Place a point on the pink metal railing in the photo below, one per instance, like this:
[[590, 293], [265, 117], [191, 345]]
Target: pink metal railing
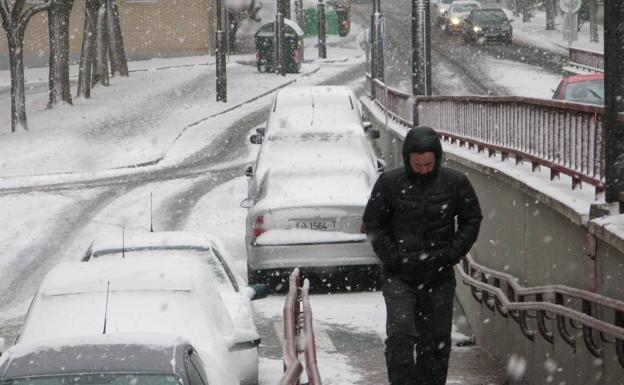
[[590, 60], [570, 307], [565, 137], [298, 328]]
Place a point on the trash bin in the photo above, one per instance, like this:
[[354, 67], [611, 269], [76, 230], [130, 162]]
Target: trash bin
[[310, 17], [293, 50]]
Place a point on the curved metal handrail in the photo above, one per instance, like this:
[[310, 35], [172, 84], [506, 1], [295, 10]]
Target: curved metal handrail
[[516, 305], [297, 315]]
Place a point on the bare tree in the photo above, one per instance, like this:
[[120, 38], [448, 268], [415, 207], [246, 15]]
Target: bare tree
[[58, 28], [102, 43], [236, 15], [14, 21], [87, 53], [593, 20], [117, 53]]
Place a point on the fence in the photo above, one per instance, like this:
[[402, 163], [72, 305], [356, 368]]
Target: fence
[[586, 60], [565, 137], [298, 334]]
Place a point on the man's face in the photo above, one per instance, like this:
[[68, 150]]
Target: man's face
[[422, 163]]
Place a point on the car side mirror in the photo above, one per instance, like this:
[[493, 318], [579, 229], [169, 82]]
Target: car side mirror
[[381, 165], [260, 130], [249, 172], [243, 339], [256, 139], [367, 126], [374, 134], [256, 291], [3, 345], [247, 203]]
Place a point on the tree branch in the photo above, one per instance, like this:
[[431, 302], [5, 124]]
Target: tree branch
[[30, 12]]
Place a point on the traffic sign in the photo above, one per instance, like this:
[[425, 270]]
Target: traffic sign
[[570, 6]]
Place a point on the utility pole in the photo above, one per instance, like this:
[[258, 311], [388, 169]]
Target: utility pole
[[421, 52], [279, 44], [613, 136], [377, 57], [322, 31], [220, 56], [283, 7]]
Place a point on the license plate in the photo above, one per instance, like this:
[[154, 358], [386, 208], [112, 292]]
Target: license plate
[[321, 224]]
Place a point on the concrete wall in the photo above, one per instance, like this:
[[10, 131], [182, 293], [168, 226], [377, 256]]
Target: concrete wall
[[540, 242]]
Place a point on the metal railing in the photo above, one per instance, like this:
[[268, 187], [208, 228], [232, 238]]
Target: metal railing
[[298, 334], [565, 137], [585, 59], [593, 314]]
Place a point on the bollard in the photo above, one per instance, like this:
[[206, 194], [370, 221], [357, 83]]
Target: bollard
[[322, 31]]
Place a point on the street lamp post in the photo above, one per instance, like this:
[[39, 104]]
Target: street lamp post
[[220, 57], [279, 40], [421, 52], [377, 58], [613, 135]]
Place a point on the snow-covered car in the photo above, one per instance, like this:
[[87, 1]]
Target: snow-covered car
[[585, 88], [217, 263], [458, 12], [143, 294], [136, 359], [312, 108], [306, 209], [487, 24]]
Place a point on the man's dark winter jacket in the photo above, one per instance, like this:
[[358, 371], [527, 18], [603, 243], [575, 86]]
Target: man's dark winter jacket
[[421, 225]]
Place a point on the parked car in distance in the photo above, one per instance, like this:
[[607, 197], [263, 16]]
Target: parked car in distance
[[458, 11], [142, 294], [135, 359], [586, 88], [487, 24], [323, 108]]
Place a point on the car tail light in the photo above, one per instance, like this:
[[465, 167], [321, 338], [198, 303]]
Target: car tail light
[[259, 228], [362, 229]]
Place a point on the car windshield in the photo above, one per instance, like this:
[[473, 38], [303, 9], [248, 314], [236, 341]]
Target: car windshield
[[98, 379], [591, 92], [463, 8], [489, 17]]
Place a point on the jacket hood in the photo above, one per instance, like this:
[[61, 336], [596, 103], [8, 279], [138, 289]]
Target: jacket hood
[[420, 140]]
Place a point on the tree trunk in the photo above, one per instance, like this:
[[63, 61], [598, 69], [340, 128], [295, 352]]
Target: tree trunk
[[593, 21], [18, 94], [119, 62], [550, 14], [100, 69], [58, 26], [87, 52]]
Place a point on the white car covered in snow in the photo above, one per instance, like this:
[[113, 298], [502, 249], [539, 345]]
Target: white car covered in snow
[[306, 201], [232, 290], [143, 294], [458, 11]]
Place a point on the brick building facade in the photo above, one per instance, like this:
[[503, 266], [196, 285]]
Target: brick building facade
[[151, 28]]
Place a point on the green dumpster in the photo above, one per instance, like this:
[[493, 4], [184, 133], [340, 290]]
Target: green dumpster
[[310, 17]]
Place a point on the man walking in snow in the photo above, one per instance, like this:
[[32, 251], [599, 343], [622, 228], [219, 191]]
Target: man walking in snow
[[421, 220]]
